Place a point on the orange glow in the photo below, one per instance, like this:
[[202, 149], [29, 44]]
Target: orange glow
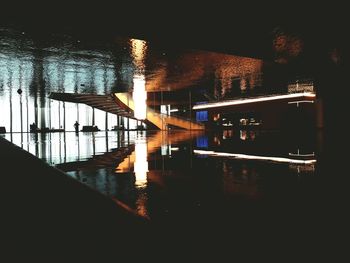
[[194, 65], [139, 49]]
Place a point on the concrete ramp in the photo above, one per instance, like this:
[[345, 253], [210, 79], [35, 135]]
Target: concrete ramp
[[159, 120]]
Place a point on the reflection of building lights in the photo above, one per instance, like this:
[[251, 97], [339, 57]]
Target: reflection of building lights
[[138, 51], [252, 135], [139, 90], [254, 157], [141, 164], [253, 100], [302, 168]]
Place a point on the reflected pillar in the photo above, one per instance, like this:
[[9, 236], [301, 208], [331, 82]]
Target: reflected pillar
[[190, 103], [64, 116], [106, 122], [27, 112], [78, 112], [122, 121], [11, 111], [161, 104], [50, 126], [36, 109], [93, 116], [59, 114], [42, 112]]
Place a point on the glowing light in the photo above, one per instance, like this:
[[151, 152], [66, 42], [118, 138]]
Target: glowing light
[[141, 164], [255, 157], [253, 100], [139, 94], [243, 135]]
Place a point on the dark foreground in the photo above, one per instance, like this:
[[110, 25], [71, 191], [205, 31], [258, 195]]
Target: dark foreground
[[47, 214]]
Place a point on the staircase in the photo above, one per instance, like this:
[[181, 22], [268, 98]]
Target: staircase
[[161, 121], [101, 102], [108, 159]]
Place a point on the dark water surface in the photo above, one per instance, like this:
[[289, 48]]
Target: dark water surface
[[179, 175]]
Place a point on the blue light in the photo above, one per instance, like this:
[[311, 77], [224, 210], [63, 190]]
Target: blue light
[[202, 142], [202, 115]]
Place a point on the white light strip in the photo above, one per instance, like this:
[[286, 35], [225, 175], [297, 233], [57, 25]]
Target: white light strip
[[253, 100], [301, 101], [174, 110], [254, 157]]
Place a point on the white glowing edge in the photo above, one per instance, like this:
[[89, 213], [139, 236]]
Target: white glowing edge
[[253, 100], [254, 157]]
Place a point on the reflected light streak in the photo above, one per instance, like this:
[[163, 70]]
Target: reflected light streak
[[141, 164], [255, 157], [253, 100]]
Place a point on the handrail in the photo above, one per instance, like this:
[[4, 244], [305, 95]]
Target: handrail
[[159, 119]]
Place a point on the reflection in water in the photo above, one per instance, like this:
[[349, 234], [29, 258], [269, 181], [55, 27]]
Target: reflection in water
[[139, 48], [247, 135], [255, 157], [141, 164], [241, 181], [57, 148], [140, 171], [61, 64], [302, 168], [170, 184]]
